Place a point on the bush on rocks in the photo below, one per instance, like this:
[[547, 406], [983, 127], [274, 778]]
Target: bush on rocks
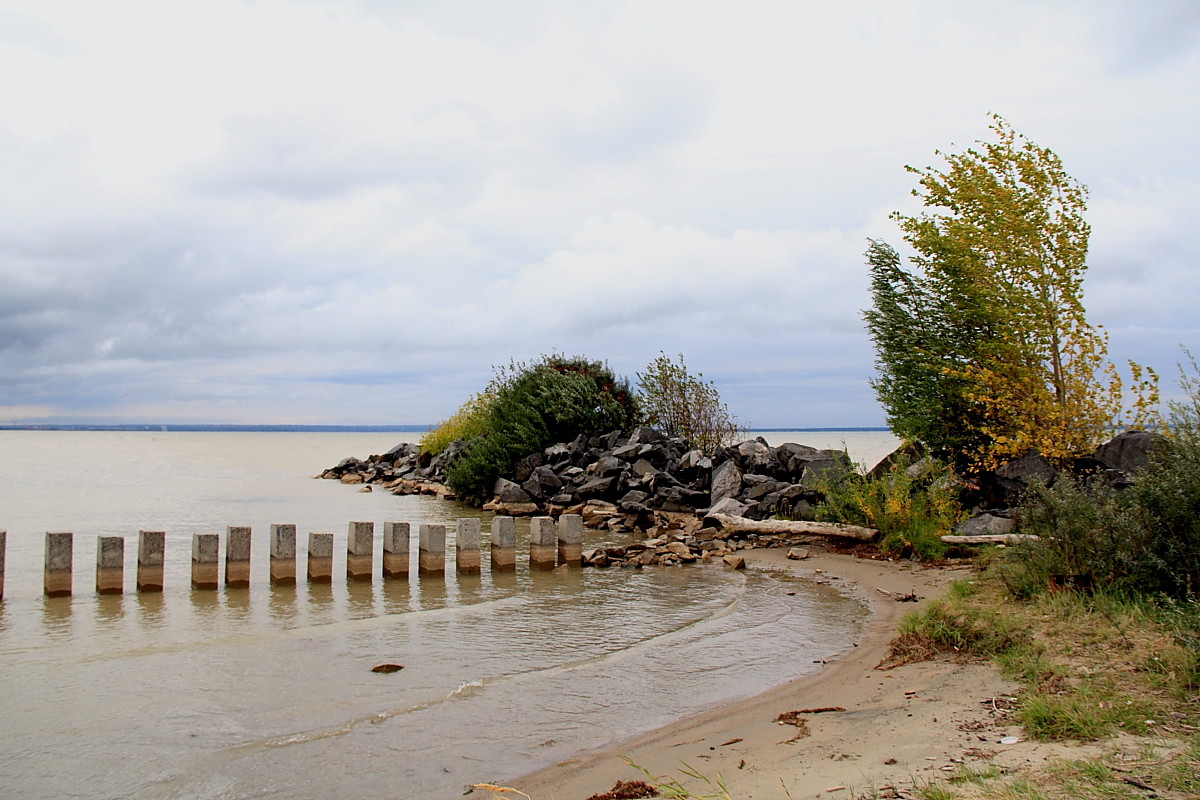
[[533, 406]]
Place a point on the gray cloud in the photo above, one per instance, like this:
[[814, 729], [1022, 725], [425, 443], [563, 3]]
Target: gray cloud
[[316, 212]]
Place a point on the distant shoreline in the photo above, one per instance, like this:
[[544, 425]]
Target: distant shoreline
[[181, 428]]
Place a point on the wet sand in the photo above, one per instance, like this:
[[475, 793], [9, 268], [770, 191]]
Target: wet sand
[[917, 722]]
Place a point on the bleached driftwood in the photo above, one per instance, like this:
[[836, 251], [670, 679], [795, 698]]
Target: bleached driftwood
[[742, 525], [990, 538]]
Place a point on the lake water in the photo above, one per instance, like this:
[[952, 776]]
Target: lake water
[[267, 692]]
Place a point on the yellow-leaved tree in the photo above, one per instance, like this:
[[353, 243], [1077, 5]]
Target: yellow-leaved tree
[[995, 313]]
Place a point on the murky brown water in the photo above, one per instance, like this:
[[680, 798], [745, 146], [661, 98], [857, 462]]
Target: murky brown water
[[267, 692]]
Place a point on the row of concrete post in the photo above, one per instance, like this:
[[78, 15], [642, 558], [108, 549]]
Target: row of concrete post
[[551, 543]]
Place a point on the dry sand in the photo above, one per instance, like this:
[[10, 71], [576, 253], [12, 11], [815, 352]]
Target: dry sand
[[918, 722]]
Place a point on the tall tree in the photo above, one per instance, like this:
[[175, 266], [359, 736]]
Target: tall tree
[[985, 351]]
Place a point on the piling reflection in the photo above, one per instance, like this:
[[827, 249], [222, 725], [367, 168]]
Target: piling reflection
[[56, 615], [238, 607], [360, 599], [110, 611], [282, 604], [320, 602], [151, 610]]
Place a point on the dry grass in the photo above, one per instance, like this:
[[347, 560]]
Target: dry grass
[[1095, 668]]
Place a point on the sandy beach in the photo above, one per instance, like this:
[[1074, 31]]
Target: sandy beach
[[915, 723]]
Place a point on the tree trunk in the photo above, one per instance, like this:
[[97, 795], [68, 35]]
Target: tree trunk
[[741, 524], [990, 538]]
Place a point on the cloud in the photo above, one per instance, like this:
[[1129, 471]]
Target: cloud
[[347, 212]]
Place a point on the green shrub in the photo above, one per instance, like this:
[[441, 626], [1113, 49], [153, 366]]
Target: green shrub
[[681, 404], [911, 507], [531, 407], [469, 421], [1144, 539]]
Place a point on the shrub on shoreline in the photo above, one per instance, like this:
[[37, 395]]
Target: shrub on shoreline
[[1143, 539], [911, 505], [528, 407]]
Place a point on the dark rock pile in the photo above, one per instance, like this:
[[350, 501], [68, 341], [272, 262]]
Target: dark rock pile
[[642, 481], [995, 495]]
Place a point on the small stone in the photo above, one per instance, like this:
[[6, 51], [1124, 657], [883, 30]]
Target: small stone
[[797, 554], [737, 562]]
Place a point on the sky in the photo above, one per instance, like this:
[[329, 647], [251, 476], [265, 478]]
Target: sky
[[311, 212]]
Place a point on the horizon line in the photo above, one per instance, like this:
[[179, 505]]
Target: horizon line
[[221, 427]]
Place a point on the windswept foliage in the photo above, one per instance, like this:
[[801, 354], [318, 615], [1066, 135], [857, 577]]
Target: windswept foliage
[[984, 350], [528, 407], [1145, 538], [911, 505], [678, 403]]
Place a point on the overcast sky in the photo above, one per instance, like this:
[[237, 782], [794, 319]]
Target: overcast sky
[[298, 211]]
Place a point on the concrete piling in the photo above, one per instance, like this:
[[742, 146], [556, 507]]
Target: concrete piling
[[237, 557], [151, 557], [110, 564], [360, 545], [432, 545], [467, 546], [206, 563], [543, 543], [504, 544], [59, 562], [570, 540], [320, 558], [395, 549], [283, 555]]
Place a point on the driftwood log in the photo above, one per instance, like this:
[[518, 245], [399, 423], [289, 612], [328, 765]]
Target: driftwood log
[[777, 526], [990, 538]]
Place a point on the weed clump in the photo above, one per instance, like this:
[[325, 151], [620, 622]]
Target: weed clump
[[911, 505]]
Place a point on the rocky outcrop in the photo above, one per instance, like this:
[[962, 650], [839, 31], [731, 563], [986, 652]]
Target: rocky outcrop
[[995, 495], [626, 482]]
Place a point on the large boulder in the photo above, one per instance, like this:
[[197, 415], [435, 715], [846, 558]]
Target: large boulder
[[525, 467], [608, 466], [987, 523], [677, 498], [726, 481], [1128, 452], [830, 466], [506, 491], [1015, 478], [728, 505], [597, 488], [542, 483], [756, 456]]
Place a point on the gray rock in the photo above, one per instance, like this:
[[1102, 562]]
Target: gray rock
[[823, 469], [756, 456], [525, 467], [1018, 475], [627, 453], [633, 496], [764, 488], [726, 482], [645, 435], [557, 453], [644, 468], [608, 466], [598, 487], [508, 492], [728, 505], [1129, 452], [985, 524]]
